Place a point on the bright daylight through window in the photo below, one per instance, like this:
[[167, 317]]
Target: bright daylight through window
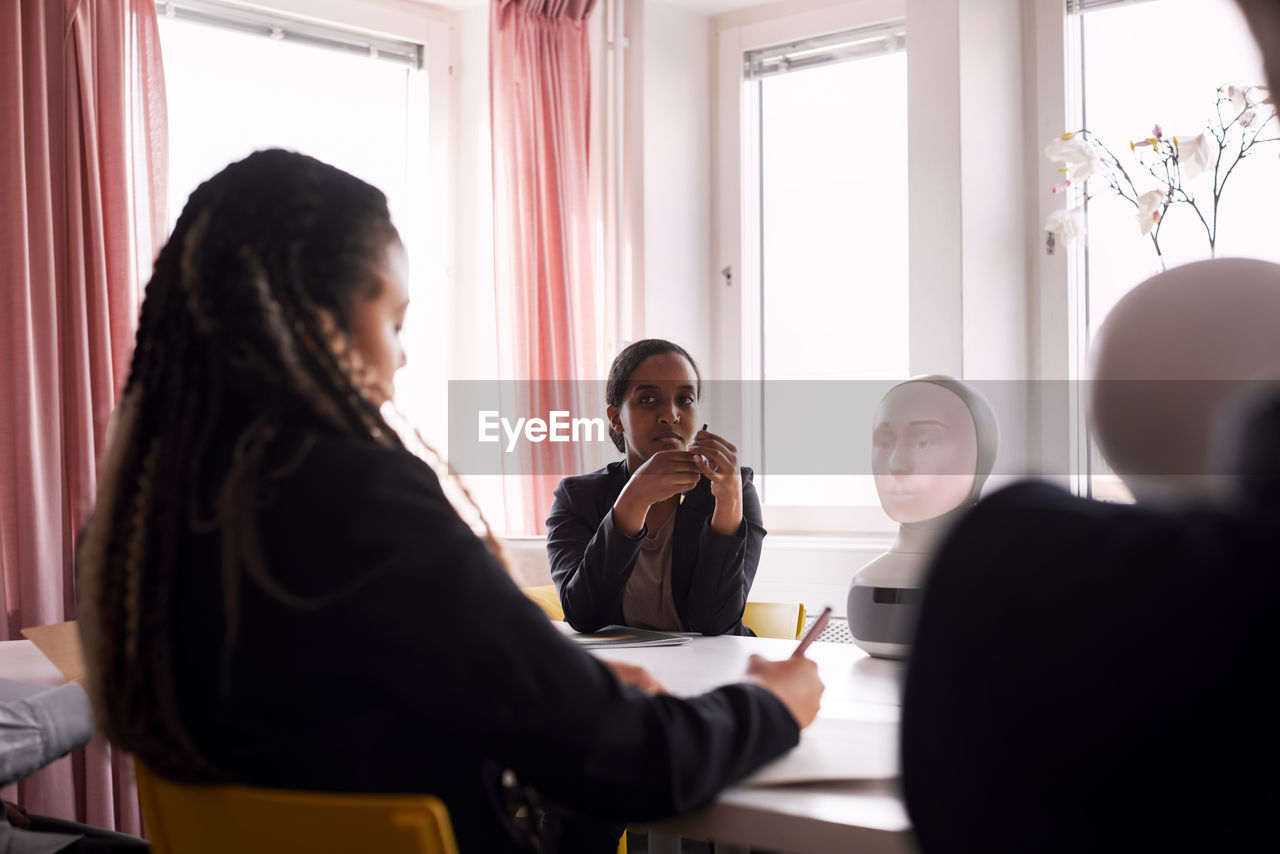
[[331, 97], [832, 230], [1129, 77]]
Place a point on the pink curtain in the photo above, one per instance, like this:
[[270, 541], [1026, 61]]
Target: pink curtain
[[82, 174], [540, 86]]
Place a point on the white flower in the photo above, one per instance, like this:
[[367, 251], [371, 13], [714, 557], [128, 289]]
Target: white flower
[[1068, 147], [1244, 97], [1149, 204], [1067, 224], [1193, 155], [1236, 95], [1249, 117], [1081, 158]]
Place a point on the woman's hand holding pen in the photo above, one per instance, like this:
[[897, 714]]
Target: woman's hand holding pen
[[793, 680], [717, 461], [663, 475]]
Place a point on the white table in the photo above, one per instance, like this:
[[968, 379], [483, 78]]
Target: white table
[[22, 661], [813, 818]]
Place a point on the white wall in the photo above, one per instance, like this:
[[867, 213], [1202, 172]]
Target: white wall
[[473, 356], [678, 274]]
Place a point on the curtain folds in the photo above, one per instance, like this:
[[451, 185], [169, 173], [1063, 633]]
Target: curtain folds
[[82, 173], [540, 87]]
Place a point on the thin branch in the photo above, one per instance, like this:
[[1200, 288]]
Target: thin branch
[[1190, 200], [1222, 123], [1218, 193]]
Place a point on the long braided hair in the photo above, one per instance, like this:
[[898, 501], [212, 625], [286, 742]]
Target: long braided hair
[[245, 325]]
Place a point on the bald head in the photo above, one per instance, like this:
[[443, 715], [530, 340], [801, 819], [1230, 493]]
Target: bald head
[[1172, 361]]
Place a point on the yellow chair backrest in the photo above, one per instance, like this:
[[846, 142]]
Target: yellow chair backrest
[[774, 619], [767, 619], [197, 819], [548, 599]]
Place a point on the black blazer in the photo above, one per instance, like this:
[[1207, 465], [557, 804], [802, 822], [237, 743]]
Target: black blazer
[[1096, 677], [416, 665], [591, 560]]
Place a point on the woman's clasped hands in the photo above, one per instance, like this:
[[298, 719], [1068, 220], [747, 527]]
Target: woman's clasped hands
[[674, 472]]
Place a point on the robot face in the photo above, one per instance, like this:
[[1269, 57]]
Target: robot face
[[924, 451]]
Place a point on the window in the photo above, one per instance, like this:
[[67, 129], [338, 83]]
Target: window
[[240, 79], [1126, 74], [831, 114], [239, 82], [813, 117]]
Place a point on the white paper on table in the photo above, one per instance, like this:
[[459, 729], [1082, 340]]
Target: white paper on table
[[835, 749]]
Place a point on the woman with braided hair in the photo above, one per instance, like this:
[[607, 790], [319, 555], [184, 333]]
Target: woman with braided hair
[[275, 592]]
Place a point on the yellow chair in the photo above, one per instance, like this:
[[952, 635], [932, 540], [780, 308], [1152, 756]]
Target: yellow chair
[[766, 619], [548, 599], [197, 819], [774, 619]]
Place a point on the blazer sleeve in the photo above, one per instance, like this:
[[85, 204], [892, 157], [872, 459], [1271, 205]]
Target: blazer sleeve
[[726, 569], [38, 729], [496, 674], [591, 559]]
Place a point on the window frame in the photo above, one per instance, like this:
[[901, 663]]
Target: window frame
[[1058, 322]]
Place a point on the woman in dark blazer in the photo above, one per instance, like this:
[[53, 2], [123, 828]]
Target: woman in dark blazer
[[670, 537]]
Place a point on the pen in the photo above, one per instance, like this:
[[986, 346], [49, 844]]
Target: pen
[[814, 630], [704, 427]]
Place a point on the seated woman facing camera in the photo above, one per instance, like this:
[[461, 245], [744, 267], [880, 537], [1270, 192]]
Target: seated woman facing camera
[[276, 593], [668, 538]]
